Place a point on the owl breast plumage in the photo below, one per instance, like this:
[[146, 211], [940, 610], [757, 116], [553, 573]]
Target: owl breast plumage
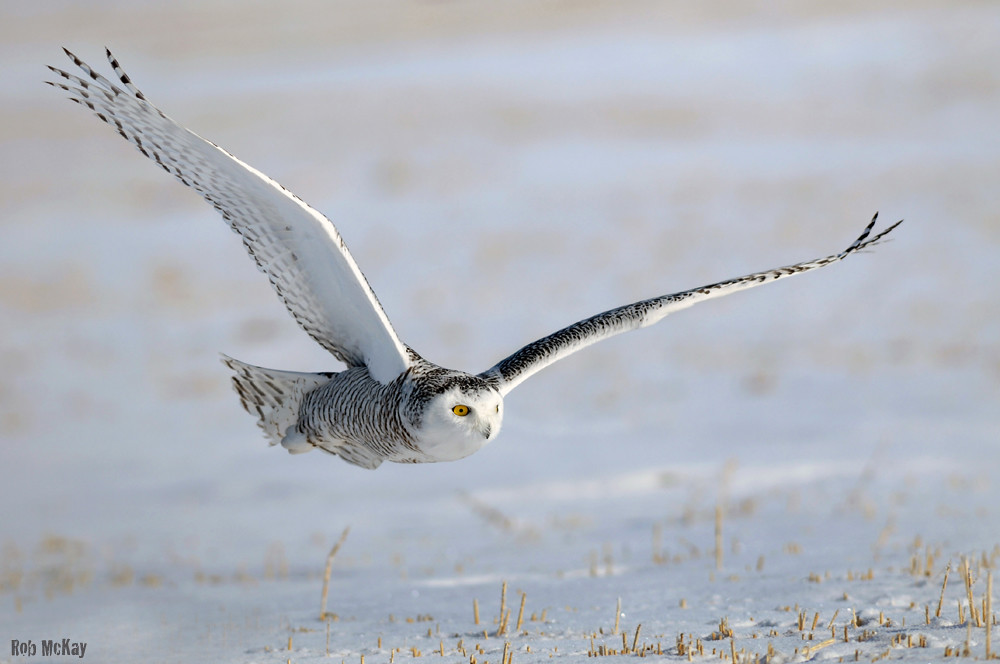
[[411, 419]]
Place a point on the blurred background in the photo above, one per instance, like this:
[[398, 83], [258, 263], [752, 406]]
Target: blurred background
[[499, 170]]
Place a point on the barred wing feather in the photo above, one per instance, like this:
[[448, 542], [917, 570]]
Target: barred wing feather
[[298, 248], [511, 371]]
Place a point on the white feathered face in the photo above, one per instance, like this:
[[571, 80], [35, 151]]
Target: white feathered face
[[460, 421]]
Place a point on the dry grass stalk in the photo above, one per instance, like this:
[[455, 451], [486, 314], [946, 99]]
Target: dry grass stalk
[[809, 650], [520, 613], [973, 613], [504, 620], [944, 585], [329, 567], [830, 626], [475, 610], [989, 615], [618, 614], [503, 608], [635, 639], [718, 536]]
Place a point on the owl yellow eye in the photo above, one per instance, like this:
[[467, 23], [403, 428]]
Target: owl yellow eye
[[460, 410]]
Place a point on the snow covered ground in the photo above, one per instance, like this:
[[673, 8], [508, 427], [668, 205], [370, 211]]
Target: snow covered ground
[[500, 171]]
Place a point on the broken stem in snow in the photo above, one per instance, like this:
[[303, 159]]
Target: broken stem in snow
[[329, 567]]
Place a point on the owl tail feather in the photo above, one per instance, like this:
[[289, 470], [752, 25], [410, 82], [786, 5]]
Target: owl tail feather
[[274, 398]]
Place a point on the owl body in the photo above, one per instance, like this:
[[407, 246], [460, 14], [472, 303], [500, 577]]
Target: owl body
[[426, 414]]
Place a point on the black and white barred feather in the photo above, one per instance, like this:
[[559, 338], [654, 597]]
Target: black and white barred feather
[[512, 370], [299, 249]]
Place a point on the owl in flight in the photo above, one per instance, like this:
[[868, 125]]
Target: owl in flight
[[389, 403]]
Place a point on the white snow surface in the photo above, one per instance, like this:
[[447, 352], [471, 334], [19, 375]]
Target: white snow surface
[[500, 171]]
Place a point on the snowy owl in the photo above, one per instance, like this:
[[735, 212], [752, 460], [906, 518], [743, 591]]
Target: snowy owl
[[389, 403]]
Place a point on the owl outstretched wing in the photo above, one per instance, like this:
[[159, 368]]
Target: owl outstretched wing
[[298, 248], [508, 373]]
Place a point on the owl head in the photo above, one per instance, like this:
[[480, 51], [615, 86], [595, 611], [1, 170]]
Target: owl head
[[461, 417]]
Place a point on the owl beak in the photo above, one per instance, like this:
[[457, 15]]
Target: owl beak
[[486, 431]]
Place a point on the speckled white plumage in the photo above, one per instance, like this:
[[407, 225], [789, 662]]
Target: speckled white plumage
[[390, 403]]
